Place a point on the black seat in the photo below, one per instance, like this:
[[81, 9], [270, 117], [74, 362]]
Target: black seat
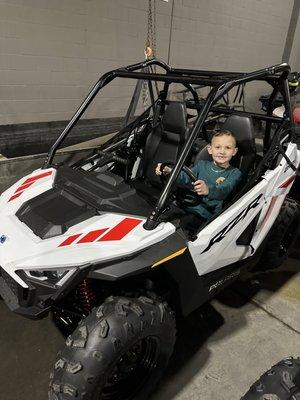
[[163, 144], [242, 128]]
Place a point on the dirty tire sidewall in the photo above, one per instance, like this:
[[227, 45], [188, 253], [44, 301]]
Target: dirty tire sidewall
[[281, 382], [103, 339], [282, 235]]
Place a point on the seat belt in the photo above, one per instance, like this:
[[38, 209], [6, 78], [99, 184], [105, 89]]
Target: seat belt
[[155, 137], [155, 141]]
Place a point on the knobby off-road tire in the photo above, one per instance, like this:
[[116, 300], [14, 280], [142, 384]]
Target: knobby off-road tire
[[281, 382], [282, 236], [118, 352]]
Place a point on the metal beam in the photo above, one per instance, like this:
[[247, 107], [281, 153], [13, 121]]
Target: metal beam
[[291, 32]]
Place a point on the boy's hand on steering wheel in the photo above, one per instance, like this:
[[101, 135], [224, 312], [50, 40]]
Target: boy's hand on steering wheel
[[201, 188], [166, 170]]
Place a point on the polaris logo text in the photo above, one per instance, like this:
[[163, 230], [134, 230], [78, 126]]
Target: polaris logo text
[[221, 281], [220, 235]]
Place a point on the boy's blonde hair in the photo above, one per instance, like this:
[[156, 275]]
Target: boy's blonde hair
[[222, 133]]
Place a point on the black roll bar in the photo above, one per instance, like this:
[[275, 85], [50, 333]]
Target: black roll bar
[[127, 72], [221, 83], [215, 94], [228, 111], [153, 218], [259, 74], [168, 78], [104, 80]]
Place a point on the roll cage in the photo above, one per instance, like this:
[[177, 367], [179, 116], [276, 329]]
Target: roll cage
[[220, 83]]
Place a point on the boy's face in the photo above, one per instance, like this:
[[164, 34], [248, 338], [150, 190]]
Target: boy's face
[[222, 149]]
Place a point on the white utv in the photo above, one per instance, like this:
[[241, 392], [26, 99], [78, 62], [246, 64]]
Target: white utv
[[97, 243]]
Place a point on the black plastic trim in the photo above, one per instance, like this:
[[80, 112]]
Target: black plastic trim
[[36, 301], [193, 289], [140, 262]]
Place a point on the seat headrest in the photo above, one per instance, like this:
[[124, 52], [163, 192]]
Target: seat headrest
[[175, 118], [242, 128]]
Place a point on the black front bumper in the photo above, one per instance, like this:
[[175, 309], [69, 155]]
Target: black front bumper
[[36, 301], [21, 300]]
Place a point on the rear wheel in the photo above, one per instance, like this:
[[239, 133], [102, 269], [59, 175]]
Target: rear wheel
[[118, 352], [282, 236]]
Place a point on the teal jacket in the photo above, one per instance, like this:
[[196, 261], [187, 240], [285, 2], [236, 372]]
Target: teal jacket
[[220, 182]]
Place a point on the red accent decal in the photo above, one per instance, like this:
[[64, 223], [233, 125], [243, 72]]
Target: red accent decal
[[69, 240], [28, 183], [15, 196], [23, 187], [121, 230], [36, 177], [270, 209], [288, 182], [91, 236], [296, 115]]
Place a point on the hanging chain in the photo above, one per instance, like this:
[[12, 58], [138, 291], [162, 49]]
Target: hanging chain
[[150, 47], [151, 30]]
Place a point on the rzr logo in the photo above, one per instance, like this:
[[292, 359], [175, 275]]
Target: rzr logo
[[116, 233], [219, 236]]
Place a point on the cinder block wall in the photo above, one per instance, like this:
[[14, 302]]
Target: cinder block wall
[[51, 52]]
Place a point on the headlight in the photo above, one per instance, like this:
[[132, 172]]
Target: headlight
[[51, 276]]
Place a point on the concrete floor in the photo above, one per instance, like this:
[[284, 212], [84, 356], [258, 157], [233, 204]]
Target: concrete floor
[[219, 352]]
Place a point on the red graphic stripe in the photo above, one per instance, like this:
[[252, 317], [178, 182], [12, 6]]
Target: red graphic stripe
[[296, 115], [36, 177], [69, 240], [92, 236], [270, 209], [28, 183], [23, 187], [15, 196], [288, 181], [121, 230]]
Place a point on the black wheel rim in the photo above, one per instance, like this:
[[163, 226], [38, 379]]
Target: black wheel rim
[[132, 370]]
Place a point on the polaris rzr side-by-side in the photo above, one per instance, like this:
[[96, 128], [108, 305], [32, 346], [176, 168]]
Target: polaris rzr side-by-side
[[97, 243]]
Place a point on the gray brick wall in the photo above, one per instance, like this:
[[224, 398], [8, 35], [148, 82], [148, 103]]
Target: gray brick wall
[[235, 34], [51, 52]]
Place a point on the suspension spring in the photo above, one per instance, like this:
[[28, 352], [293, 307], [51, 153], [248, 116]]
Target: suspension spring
[[87, 295]]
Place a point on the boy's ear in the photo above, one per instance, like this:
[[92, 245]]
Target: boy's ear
[[209, 149], [235, 151]]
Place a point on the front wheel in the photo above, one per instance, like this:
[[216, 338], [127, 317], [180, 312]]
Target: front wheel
[[118, 352]]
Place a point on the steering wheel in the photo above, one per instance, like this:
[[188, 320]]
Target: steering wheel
[[185, 194]]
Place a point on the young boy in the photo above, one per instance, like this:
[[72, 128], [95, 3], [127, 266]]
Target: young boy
[[216, 180]]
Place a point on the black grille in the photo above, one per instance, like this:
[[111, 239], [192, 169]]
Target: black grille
[[20, 293], [10, 282], [24, 301]]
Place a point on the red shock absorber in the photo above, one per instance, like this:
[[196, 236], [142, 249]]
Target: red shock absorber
[[87, 295]]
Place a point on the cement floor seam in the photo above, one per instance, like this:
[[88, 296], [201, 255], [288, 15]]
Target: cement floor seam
[[260, 306]]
